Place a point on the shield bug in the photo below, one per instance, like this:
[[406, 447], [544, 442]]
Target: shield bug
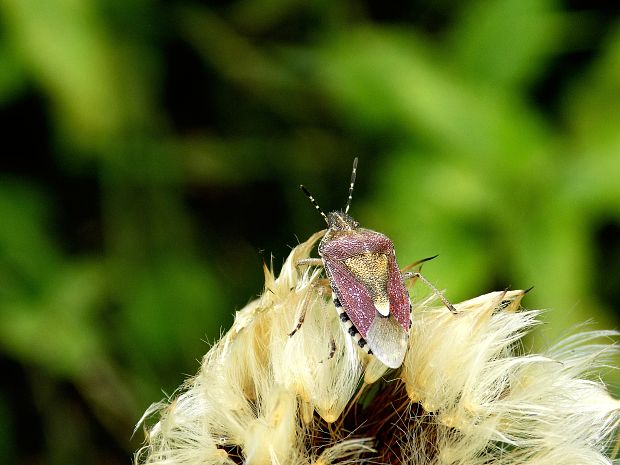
[[367, 286]]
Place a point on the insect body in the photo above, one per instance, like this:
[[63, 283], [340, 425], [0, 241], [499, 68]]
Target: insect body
[[367, 285]]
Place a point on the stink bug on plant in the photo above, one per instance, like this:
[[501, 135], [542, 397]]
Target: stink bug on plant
[[367, 286]]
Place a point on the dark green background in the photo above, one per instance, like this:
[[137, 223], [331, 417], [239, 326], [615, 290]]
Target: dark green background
[[152, 152]]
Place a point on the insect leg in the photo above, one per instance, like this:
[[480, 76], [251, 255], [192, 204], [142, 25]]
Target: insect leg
[[332, 350], [300, 320], [310, 262], [323, 288], [437, 292], [305, 262]]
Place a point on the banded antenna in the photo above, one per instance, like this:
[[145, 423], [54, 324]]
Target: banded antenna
[[353, 173], [314, 202]]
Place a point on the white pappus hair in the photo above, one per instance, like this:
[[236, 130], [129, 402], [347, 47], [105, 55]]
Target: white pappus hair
[[465, 394]]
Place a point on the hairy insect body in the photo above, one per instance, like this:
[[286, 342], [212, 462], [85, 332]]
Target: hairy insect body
[[367, 287]]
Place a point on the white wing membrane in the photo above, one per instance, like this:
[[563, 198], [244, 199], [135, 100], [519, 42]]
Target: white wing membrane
[[387, 341]]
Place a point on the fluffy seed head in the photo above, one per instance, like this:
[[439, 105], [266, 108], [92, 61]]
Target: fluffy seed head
[[465, 394]]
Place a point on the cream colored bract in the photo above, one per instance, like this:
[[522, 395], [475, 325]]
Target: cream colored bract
[[464, 395]]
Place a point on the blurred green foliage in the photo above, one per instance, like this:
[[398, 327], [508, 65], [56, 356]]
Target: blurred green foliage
[[152, 153]]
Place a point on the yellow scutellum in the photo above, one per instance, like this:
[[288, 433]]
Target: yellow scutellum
[[464, 395]]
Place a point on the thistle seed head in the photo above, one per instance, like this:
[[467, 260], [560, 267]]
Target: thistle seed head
[[466, 394]]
